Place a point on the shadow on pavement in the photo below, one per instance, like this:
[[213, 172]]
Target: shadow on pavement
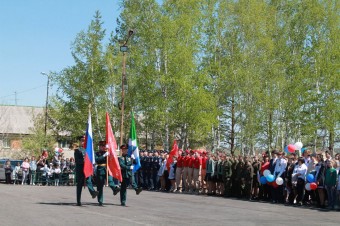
[[74, 204]]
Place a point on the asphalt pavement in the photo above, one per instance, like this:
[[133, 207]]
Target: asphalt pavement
[[50, 205]]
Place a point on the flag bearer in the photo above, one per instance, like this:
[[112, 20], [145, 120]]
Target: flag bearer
[[79, 155], [101, 161], [126, 165]]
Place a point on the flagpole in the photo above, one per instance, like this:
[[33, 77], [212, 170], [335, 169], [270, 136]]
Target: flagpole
[[107, 170], [86, 140]]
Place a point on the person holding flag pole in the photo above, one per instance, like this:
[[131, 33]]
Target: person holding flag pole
[[107, 163], [84, 161], [129, 163]]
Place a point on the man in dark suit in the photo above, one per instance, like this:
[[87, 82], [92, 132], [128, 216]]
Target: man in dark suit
[[79, 156], [126, 165]]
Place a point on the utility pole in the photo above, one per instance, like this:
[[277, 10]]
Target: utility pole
[[124, 48], [46, 105]]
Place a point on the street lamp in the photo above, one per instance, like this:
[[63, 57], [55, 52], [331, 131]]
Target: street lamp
[[124, 48], [48, 84]]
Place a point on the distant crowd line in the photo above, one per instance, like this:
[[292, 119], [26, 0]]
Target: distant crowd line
[[58, 171], [286, 178]]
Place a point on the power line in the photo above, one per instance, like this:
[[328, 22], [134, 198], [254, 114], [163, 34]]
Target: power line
[[23, 91]]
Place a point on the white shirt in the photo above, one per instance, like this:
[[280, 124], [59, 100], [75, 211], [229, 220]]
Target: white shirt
[[162, 168], [307, 161], [57, 170], [280, 166], [302, 170]]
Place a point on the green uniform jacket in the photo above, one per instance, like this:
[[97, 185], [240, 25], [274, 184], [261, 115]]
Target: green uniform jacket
[[125, 163], [227, 169], [247, 173], [101, 170]]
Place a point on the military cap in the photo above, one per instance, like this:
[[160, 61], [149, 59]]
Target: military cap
[[102, 143], [124, 146]]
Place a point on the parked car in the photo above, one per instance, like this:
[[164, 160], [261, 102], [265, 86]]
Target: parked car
[[2, 170]]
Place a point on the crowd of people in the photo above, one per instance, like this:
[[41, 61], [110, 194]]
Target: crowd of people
[[312, 179], [56, 171], [276, 177]]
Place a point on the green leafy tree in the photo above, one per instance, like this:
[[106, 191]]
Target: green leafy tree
[[83, 85], [34, 143]]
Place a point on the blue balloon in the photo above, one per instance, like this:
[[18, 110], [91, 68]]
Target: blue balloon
[[303, 150], [310, 178], [286, 149], [263, 180], [270, 178]]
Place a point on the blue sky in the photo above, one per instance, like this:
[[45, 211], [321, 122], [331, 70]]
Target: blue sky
[[36, 37]]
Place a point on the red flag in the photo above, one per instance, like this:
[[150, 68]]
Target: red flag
[[113, 163], [173, 152]]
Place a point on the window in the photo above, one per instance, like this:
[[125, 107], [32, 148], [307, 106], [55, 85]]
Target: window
[[6, 143], [63, 144]]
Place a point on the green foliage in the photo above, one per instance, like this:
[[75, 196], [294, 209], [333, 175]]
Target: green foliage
[[246, 74], [83, 85], [33, 144]]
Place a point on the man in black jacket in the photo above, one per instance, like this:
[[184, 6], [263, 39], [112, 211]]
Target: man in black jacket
[[79, 156]]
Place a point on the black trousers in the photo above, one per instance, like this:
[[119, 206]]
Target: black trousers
[[8, 178], [300, 188]]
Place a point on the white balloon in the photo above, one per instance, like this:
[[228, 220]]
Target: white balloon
[[307, 186], [266, 173], [279, 181], [298, 145]]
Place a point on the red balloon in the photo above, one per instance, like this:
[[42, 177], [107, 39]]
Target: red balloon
[[273, 184], [313, 186], [291, 148]]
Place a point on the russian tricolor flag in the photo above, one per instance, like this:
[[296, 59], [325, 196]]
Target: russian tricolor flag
[[89, 155]]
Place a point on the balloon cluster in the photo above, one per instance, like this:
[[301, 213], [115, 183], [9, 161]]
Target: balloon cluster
[[269, 178], [291, 148], [311, 185]]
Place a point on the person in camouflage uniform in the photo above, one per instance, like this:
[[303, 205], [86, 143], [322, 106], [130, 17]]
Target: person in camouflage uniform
[[239, 186], [227, 169], [247, 178], [234, 163], [220, 184], [255, 188]]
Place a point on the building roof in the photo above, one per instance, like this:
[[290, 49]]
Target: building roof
[[18, 119]]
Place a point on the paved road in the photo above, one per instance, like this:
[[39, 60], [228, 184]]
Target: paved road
[[26, 205]]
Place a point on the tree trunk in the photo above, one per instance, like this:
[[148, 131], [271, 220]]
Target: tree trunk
[[233, 122], [331, 142]]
